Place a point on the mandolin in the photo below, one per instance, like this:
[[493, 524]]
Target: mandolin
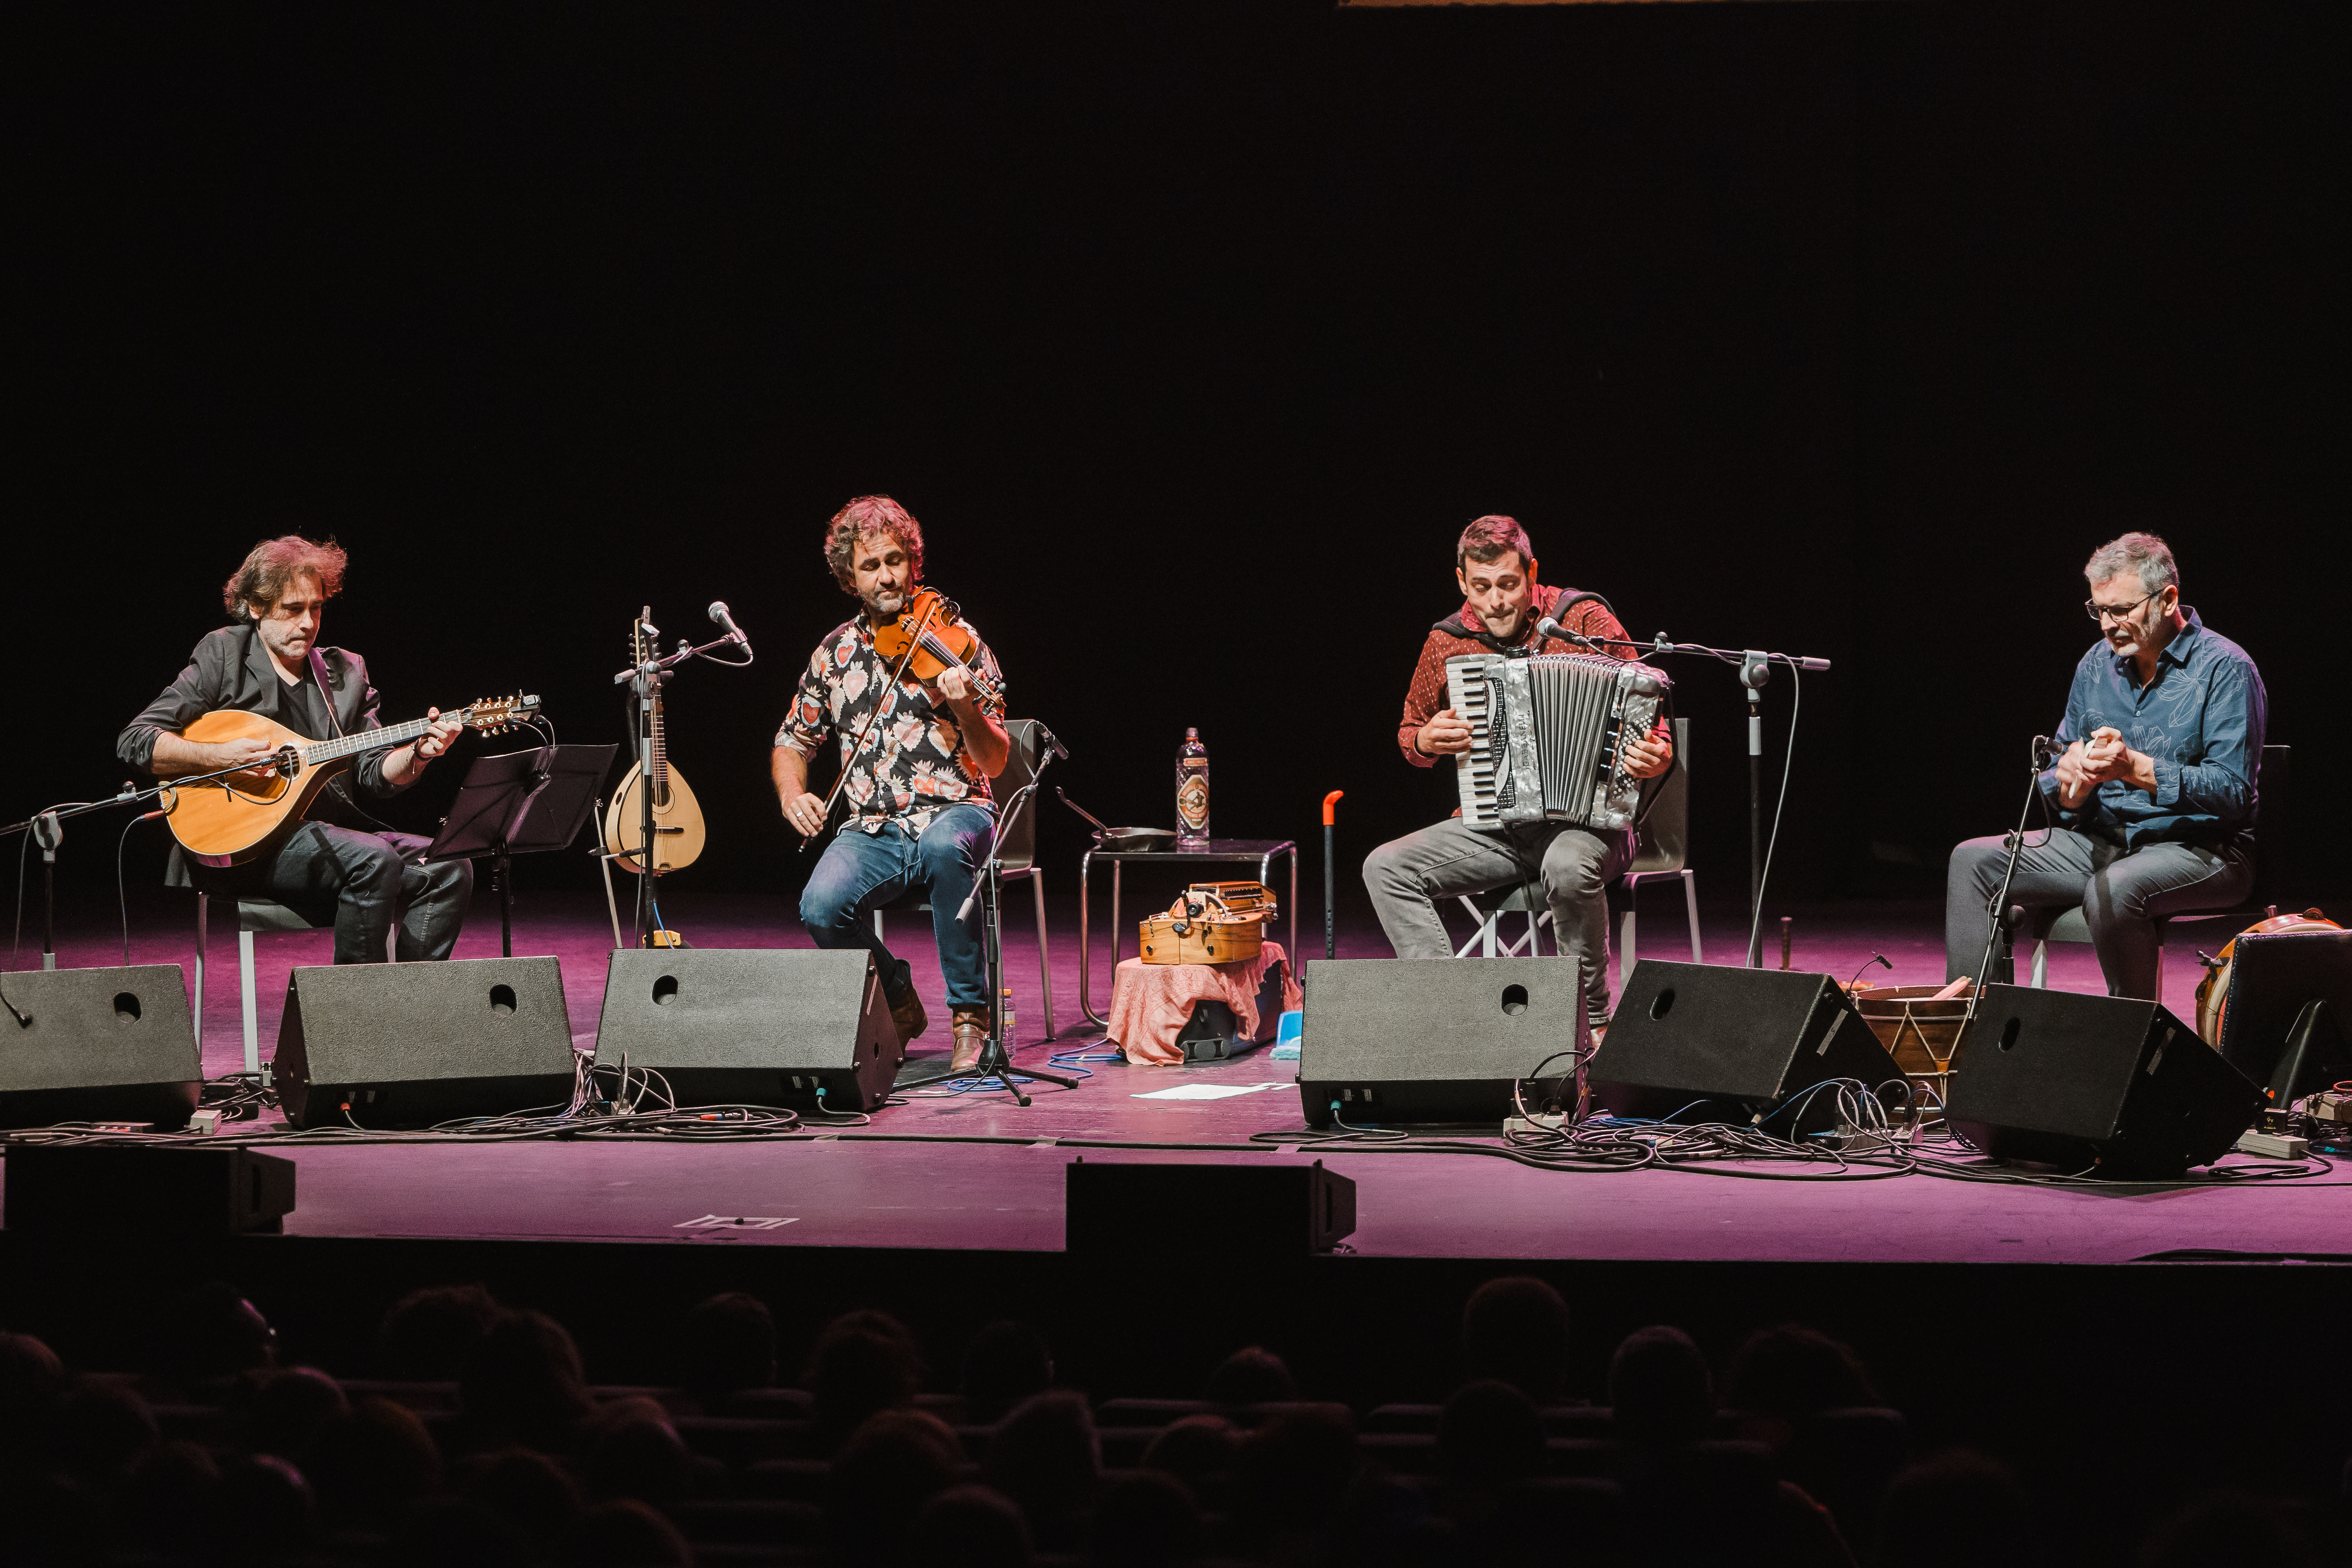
[[678, 820], [232, 821]]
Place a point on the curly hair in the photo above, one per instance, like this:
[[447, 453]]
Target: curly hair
[[870, 515], [273, 564], [1487, 537]]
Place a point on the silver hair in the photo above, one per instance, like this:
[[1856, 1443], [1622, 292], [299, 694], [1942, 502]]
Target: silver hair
[[2143, 554]]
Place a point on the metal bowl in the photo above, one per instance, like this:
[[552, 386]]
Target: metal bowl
[[1135, 840]]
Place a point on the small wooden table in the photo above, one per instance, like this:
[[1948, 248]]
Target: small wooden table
[[1260, 852]]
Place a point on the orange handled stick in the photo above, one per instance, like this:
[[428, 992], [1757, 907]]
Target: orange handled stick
[[1331, 944]]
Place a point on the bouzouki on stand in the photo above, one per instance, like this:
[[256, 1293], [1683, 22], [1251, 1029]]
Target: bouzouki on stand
[[652, 806], [230, 820]]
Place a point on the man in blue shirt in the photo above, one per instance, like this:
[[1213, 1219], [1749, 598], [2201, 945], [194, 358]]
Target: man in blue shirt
[[2154, 794]]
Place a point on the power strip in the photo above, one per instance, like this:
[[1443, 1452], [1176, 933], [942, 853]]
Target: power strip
[[2273, 1145], [1542, 1122], [2332, 1106]]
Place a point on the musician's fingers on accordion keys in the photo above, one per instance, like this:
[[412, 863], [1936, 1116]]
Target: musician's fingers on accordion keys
[[1446, 733], [1648, 755]]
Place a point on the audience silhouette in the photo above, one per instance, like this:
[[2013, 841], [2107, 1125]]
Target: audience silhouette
[[486, 1442]]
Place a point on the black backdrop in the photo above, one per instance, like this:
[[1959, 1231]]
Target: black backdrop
[[1192, 334]]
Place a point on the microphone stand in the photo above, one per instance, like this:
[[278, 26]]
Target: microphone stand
[[1997, 908], [1755, 671], [995, 1064], [47, 828]]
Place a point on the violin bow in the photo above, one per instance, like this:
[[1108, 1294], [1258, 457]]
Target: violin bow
[[833, 795]]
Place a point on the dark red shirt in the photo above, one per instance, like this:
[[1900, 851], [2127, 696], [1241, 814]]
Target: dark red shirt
[[1462, 632]]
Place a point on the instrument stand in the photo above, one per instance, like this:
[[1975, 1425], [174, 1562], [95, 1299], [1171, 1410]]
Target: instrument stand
[[518, 804], [645, 681], [995, 1064]]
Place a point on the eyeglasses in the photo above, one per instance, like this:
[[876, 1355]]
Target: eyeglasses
[[2097, 611]]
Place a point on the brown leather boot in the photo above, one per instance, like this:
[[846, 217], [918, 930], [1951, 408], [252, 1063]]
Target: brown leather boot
[[909, 1017], [970, 1028]]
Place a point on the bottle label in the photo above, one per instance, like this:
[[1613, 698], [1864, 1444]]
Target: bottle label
[[1192, 805]]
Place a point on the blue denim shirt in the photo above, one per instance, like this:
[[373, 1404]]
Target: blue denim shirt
[[2200, 723]]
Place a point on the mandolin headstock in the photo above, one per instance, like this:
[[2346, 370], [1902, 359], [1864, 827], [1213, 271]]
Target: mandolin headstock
[[491, 715]]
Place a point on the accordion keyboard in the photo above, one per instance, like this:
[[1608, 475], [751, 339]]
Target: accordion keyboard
[[1545, 733]]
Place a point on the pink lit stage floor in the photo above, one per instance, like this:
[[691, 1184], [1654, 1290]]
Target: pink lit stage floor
[[976, 1171]]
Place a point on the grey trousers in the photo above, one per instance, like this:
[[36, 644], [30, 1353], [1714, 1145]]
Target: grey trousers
[[1572, 867], [2122, 894], [365, 878]]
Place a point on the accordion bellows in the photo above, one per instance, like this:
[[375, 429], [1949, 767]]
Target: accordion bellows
[[1545, 733]]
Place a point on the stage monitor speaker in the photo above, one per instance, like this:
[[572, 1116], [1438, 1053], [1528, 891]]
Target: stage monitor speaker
[[100, 1045], [2270, 1030], [102, 1189], [410, 1045], [1705, 1042], [1253, 1210], [802, 1028], [2104, 1085], [1388, 1039]]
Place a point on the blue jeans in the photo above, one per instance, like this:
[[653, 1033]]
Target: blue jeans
[[861, 873]]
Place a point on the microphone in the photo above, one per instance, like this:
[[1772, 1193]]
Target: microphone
[[2043, 749], [1549, 627], [726, 623], [1058, 749]]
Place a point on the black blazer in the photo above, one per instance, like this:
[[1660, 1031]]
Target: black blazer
[[232, 668]]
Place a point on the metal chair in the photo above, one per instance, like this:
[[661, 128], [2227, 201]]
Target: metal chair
[[1018, 852], [2271, 793], [255, 915], [1662, 848]]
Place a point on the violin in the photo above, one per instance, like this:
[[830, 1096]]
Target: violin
[[923, 642], [927, 638]]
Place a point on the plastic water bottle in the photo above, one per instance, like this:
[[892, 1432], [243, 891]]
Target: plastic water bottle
[[1192, 790]]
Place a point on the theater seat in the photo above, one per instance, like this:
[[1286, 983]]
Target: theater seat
[[786, 1480], [1151, 1412], [749, 1521], [736, 1441], [1844, 1459]]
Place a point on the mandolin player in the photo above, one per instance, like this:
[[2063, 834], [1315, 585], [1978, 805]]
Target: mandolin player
[[267, 661], [915, 757]]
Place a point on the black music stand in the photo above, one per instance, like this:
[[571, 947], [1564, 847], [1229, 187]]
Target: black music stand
[[520, 803]]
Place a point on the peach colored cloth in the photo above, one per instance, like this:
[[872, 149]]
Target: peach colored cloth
[[1150, 1002]]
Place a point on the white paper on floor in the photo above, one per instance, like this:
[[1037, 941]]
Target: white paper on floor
[[1208, 1090]]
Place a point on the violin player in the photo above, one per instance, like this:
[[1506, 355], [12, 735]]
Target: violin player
[[916, 755]]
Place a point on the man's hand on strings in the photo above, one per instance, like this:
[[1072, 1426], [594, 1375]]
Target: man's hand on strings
[[953, 683]]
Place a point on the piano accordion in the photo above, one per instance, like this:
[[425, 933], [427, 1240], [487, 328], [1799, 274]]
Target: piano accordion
[[1545, 733]]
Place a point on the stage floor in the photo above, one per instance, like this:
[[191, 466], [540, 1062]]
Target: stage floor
[[974, 1170]]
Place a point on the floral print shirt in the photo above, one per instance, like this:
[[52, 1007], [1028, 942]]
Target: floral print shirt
[[913, 762]]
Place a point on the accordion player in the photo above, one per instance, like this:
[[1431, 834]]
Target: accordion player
[[1546, 737]]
